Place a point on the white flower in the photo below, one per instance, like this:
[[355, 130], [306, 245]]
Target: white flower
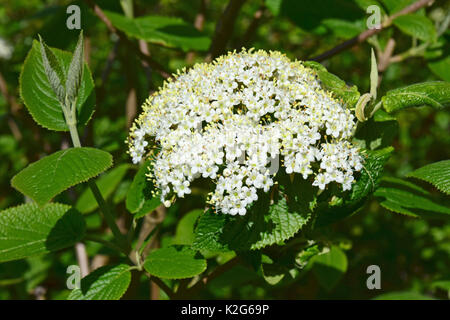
[[227, 120]]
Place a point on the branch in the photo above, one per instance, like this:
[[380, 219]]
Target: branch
[[363, 36], [143, 56], [224, 29]]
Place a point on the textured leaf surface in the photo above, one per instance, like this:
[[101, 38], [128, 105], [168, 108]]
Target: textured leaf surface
[[417, 26], [28, 230], [263, 225], [174, 263], [438, 58], [274, 6], [105, 283], [39, 98], [140, 200], [371, 173], [404, 199], [331, 82], [435, 94], [166, 31], [438, 174], [185, 229], [107, 183], [44, 179]]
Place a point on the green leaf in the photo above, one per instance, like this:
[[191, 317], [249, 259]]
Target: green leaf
[[438, 174], [364, 4], [362, 188], [402, 295], [53, 71], [263, 225], [332, 83], [107, 183], [39, 97], [166, 31], [441, 284], [404, 199], [28, 230], [174, 262], [75, 73], [44, 179], [435, 94], [310, 16], [140, 200], [274, 6], [370, 174], [417, 26], [185, 229], [330, 267], [105, 283]]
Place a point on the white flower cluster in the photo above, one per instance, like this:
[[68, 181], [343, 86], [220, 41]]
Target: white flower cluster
[[230, 120]]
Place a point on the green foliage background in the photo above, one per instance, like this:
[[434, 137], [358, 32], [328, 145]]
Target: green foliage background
[[413, 254]]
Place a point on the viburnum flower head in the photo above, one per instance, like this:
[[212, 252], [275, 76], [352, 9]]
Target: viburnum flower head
[[232, 119]]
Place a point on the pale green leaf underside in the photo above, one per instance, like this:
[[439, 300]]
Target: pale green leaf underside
[[38, 95], [44, 179], [165, 31], [107, 183], [403, 295], [438, 174], [435, 94], [105, 283], [28, 230], [174, 263]]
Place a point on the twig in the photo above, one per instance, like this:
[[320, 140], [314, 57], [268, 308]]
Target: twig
[[224, 29], [152, 63], [163, 286], [198, 24], [363, 36], [254, 24], [82, 258]]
